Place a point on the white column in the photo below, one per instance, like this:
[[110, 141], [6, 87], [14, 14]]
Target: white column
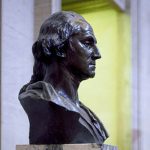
[[43, 9], [144, 72], [141, 73], [16, 67], [41, 12], [55, 6], [135, 77]]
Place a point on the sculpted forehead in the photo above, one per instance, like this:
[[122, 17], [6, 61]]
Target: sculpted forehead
[[78, 23], [81, 26]]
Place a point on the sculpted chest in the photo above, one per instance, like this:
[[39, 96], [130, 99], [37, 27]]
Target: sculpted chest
[[55, 120]]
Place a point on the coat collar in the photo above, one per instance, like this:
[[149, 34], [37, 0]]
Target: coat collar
[[45, 91]]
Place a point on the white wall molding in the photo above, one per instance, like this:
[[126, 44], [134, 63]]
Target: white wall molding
[[121, 4]]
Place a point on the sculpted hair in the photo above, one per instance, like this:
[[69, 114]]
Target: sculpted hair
[[52, 40]]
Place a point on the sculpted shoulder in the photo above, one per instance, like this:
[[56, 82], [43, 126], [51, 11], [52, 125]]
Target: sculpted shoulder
[[44, 92]]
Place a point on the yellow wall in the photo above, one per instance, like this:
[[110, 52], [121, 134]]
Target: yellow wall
[[108, 94]]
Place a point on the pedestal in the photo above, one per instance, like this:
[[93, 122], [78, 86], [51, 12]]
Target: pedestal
[[66, 147]]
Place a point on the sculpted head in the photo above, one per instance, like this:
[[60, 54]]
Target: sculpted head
[[67, 38]]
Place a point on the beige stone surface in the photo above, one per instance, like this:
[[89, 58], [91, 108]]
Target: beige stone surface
[[59, 147], [66, 147]]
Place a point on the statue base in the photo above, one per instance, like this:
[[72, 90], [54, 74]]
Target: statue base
[[66, 147]]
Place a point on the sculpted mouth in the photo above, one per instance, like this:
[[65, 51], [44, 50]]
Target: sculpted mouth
[[92, 66], [93, 63]]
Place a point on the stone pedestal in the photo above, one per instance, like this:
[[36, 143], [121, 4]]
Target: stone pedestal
[[66, 147]]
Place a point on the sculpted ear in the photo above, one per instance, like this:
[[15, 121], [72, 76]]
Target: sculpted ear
[[60, 51], [48, 49]]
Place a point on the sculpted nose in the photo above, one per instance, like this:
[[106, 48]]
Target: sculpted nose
[[96, 54]]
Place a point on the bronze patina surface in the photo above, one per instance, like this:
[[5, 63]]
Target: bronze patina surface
[[65, 54]]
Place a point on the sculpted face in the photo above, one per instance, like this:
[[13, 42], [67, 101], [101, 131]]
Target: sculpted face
[[68, 34], [84, 52]]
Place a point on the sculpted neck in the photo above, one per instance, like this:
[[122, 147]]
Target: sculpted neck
[[62, 80]]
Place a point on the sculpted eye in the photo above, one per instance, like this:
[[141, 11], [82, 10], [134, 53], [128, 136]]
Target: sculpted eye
[[88, 43]]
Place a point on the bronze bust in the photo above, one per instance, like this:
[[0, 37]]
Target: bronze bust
[[64, 54]]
